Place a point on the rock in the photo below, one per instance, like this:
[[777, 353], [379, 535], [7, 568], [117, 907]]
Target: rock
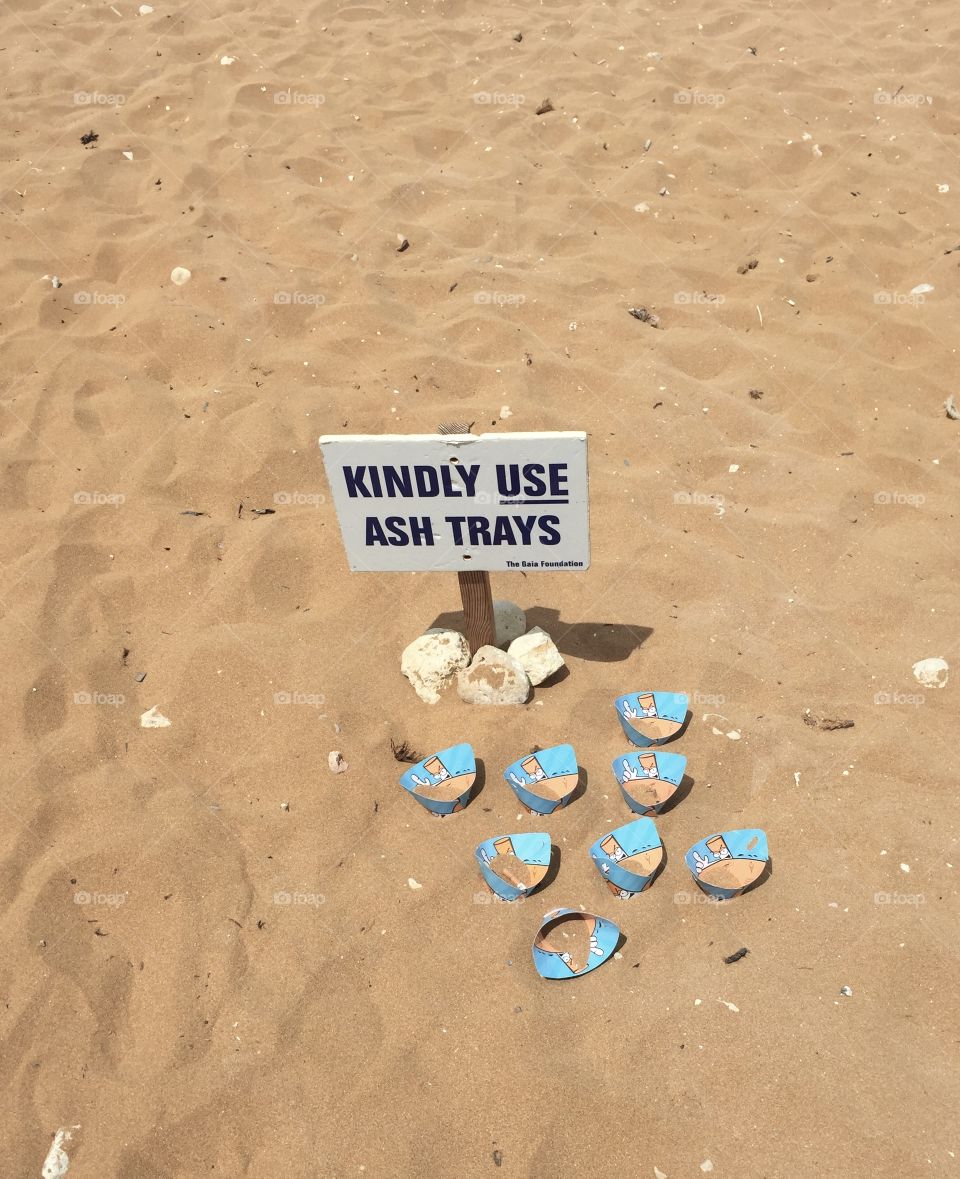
[[180, 275], [509, 622], [537, 654], [336, 763], [153, 719], [932, 673], [493, 677], [431, 662]]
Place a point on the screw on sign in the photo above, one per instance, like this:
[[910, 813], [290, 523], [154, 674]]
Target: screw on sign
[[464, 502]]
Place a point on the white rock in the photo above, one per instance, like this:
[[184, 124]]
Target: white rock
[[414, 884], [494, 677], [336, 763], [509, 622], [151, 719], [537, 654], [923, 288], [144, 10], [180, 275], [127, 155], [431, 662], [57, 1163], [932, 673], [227, 60]]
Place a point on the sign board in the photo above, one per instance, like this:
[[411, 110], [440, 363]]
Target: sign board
[[464, 502]]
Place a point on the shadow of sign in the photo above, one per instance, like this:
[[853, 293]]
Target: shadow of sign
[[599, 642]]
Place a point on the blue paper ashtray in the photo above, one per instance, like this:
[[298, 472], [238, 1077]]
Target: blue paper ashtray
[[570, 943], [628, 858], [514, 865], [651, 718], [649, 780], [442, 782], [545, 780], [727, 864]]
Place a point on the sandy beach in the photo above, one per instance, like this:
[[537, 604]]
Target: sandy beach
[[214, 962]]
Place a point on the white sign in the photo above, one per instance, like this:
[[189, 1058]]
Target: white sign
[[460, 501]]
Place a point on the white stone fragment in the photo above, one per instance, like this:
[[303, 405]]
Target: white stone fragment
[[494, 677], [431, 661], [180, 275], [336, 763], [151, 719], [932, 673], [537, 654]]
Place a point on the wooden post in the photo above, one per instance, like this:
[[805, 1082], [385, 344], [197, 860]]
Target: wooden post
[[477, 609]]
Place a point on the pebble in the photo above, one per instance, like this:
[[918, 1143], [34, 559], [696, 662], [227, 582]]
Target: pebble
[[932, 673], [415, 885], [152, 719], [848, 991], [180, 275], [336, 763]]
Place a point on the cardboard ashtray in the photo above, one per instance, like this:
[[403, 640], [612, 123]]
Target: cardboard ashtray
[[727, 864], [629, 857], [545, 780], [651, 718], [570, 943], [649, 780], [442, 782], [514, 865]]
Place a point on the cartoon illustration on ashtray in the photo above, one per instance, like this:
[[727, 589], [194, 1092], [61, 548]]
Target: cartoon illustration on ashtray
[[648, 781], [443, 781], [628, 859], [545, 779], [719, 849], [646, 706], [727, 864], [612, 848], [651, 718], [570, 943], [646, 767], [533, 769], [514, 865]]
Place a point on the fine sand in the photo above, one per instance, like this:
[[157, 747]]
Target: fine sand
[[220, 958]]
